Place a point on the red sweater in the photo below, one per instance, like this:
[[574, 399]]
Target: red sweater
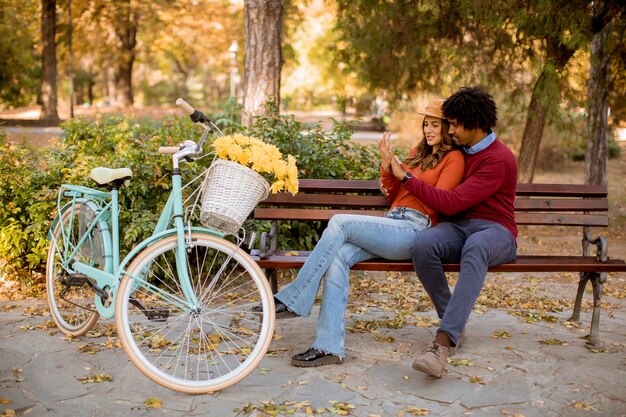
[[487, 191]]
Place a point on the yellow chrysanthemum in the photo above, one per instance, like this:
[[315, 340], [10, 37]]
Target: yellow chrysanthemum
[[261, 157]]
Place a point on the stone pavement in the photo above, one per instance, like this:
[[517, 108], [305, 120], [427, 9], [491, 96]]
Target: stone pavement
[[512, 375]]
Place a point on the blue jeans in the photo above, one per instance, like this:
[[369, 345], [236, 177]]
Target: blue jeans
[[475, 244], [347, 240]]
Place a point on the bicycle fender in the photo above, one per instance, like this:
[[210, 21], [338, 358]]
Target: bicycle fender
[[66, 207]]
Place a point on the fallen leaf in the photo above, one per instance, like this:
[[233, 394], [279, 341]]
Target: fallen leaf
[[553, 342], [582, 406], [418, 411], [501, 334], [96, 378], [460, 362], [153, 403], [476, 380]]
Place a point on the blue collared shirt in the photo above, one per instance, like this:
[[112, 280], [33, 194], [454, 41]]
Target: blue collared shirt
[[482, 145]]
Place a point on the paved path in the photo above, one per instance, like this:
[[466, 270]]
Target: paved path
[[516, 376]]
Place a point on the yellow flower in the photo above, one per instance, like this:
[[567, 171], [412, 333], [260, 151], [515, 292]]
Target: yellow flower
[[262, 157]]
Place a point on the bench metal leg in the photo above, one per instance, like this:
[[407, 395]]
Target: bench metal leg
[[584, 278], [597, 280], [272, 277]]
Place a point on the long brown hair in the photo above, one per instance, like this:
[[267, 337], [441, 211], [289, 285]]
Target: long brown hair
[[422, 155]]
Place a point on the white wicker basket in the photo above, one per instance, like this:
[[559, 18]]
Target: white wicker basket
[[230, 191]]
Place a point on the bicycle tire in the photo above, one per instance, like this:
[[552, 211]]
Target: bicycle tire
[[194, 349], [74, 312]]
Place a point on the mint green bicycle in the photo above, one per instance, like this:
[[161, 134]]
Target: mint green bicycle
[[181, 298]]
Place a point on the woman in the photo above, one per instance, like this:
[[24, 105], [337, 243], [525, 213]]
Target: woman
[[349, 239]]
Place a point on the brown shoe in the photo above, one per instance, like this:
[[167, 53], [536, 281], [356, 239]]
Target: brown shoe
[[433, 361]]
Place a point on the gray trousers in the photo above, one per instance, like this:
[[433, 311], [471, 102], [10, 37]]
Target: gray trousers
[[476, 245]]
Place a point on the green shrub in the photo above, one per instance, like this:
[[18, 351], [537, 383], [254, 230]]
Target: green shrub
[[30, 178]]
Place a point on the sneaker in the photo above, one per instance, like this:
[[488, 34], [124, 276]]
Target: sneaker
[[433, 360], [314, 357], [453, 349], [281, 311]]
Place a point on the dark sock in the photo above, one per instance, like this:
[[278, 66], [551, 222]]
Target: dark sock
[[443, 339]]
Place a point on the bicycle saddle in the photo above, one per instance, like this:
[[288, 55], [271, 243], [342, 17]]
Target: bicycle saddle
[[104, 176]]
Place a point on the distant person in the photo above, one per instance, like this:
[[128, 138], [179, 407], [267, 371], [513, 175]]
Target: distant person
[[349, 239], [479, 230]]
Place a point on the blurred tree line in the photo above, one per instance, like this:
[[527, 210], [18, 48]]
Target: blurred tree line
[[544, 58], [514, 46], [122, 50]]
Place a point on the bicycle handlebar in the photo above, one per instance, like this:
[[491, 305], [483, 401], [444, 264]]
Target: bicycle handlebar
[[185, 106], [168, 150], [196, 115]]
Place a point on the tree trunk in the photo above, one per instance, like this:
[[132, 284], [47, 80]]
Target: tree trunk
[[596, 155], [544, 97], [263, 20], [124, 82], [126, 26], [49, 62], [110, 84], [531, 139]]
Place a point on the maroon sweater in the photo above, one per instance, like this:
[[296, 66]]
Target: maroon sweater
[[487, 191]]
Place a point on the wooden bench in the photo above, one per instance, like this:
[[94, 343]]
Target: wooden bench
[[583, 206]]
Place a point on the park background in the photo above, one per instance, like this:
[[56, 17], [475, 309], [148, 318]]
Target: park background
[[314, 77], [307, 75], [556, 69]]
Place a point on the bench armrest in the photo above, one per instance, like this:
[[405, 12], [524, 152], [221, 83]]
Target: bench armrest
[[601, 243], [268, 239]]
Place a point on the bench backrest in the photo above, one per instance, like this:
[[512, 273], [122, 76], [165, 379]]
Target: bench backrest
[[535, 204]]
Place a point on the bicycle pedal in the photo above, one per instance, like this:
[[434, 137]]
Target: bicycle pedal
[[152, 314]]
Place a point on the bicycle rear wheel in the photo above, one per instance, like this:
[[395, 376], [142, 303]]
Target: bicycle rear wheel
[[70, 298], [198, 348]]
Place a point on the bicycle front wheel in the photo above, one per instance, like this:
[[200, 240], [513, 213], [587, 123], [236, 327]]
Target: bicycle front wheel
[[70, 298], [194, 347]]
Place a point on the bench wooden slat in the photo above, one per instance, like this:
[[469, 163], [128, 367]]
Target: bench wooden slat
[[370, 201], [340, 186], [330, 200], [371, 186], [552, 204], [523, 263], [563, 190], [521, 218], [307, 214], [538, 219]]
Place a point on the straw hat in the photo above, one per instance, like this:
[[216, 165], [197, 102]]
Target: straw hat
[[433, 109]]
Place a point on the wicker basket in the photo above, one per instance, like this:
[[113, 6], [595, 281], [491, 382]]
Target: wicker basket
[[230, 191]]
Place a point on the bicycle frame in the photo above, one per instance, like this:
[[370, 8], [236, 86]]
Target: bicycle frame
[[106, 206]]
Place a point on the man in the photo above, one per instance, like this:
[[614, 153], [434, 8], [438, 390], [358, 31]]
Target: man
[[479, 230]]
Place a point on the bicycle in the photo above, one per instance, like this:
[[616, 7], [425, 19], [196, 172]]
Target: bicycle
[[181, 298]]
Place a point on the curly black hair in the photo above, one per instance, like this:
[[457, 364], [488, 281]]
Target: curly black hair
[[472, 107]]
